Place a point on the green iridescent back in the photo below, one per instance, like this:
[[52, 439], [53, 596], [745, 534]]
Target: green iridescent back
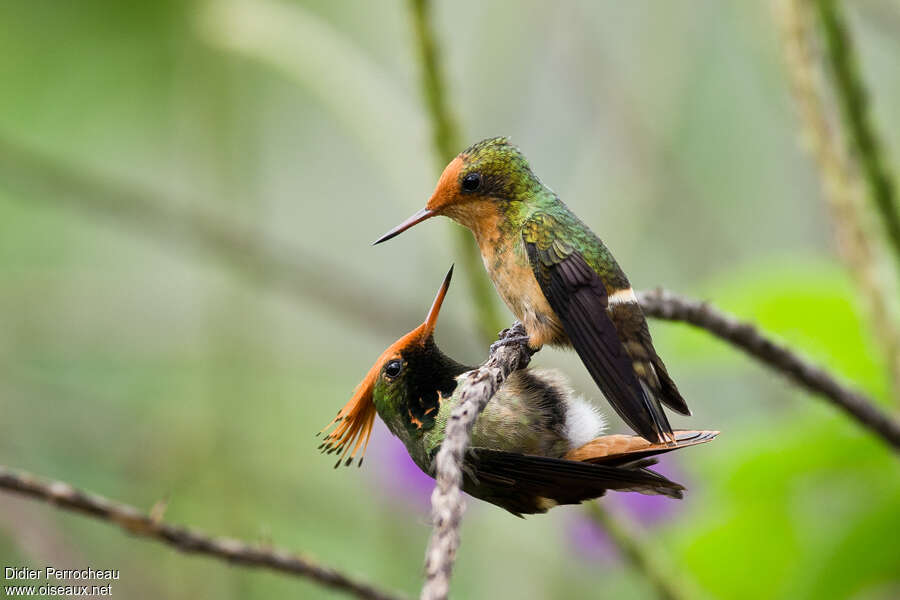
[[532, 209]]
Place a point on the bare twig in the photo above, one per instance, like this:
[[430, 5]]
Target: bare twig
[[843, 187], [135, 522], [639, 556], [481, 384], [19, 169], [853, 100], [447, 504], [446, 141], [666, 305]]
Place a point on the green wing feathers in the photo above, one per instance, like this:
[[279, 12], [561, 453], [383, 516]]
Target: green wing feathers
[[577, 278]]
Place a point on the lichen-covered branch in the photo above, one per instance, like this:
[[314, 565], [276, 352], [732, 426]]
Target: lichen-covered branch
[[447, 503], [138, 523], [662, 304], [446, 141]]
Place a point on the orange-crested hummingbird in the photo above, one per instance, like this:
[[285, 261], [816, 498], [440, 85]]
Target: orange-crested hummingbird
[[557, 277], [536, 445]]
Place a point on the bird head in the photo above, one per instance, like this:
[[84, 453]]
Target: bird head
[[403, 386], [487, 180]]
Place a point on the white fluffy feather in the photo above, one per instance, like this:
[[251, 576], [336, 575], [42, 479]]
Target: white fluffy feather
[[583, 422]]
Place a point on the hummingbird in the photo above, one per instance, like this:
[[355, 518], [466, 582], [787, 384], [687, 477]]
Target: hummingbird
[[557, 277], [536, 444]]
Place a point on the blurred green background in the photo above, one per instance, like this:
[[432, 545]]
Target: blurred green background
[[136, 363]]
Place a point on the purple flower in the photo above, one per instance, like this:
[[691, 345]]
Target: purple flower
[[650, 510], [590, 542], [395, 474]]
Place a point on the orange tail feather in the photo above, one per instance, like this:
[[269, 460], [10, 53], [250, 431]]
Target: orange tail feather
[[609, 447]]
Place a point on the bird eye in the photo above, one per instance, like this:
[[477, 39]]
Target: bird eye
[[393, 368], [471, 182]]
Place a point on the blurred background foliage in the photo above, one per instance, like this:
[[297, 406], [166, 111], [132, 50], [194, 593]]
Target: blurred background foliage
[[136, 365]]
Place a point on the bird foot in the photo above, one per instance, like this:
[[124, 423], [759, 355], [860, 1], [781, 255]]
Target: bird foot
[[509, 341], [516, 335]]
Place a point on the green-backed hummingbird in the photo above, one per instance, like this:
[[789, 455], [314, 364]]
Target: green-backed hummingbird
[[536, 445], [557, 277]]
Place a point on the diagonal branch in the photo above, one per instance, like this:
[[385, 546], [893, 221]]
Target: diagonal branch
[[447, 503], [135, 522], [671, 307], [28, 172], [482, 383]]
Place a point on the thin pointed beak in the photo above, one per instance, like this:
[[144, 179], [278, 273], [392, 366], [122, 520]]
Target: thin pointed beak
[[431, 319], [413, 220]]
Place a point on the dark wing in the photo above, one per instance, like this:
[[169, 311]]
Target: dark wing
[[526, 484], [635, 336], [577, 295]]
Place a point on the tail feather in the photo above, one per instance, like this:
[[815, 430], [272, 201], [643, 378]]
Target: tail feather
[[623, 449], [668, 391], [527, 484]]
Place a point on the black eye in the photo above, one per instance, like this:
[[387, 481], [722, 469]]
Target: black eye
[[471, 182], [393, 368]]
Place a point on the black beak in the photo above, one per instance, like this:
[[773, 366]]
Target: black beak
[[413, 220]]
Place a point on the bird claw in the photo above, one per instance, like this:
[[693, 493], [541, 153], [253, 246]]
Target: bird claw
[[514, 335], [509, 341]]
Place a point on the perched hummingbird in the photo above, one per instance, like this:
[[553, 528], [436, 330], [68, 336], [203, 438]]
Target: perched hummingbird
[[535, 445], [557, 277]]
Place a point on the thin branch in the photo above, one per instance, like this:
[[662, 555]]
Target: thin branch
[[481, 384], [637, 554], [666, 305], [843, 188], [446, 140], [853, 100], [135, 522], [29, 174], [447, 503], [138, 210]]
